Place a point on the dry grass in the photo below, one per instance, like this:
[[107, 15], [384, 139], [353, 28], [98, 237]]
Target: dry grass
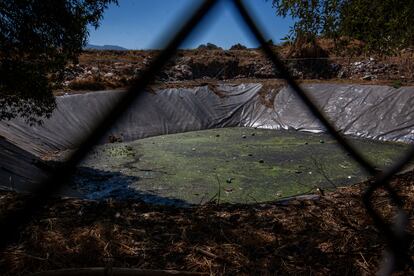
[[87, 85], [329, 236]]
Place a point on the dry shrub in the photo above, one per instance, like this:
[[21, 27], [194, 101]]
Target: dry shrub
[[87, 84]]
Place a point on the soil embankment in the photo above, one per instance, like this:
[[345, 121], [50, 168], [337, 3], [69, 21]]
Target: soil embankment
[[98, 70]]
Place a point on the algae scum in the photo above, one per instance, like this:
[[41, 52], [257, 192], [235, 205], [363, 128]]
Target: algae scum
[[237, 165]]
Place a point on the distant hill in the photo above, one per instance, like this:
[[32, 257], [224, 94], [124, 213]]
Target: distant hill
[[104, 47]]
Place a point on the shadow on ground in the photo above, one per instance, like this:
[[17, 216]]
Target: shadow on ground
[[332, 236], [98, 184]]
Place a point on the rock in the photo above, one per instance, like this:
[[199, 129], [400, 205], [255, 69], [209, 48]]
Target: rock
[[367, 77], [261, 161], [180, 72], [341, 74], [193, 149], [321, 141], [264, 71], [244, 136]]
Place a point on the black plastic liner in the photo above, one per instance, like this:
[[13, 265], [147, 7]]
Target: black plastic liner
[[375, 112]]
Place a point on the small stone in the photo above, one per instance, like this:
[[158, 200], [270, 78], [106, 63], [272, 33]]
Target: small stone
[[193, 149], [261, 161], [298, 172], [253, 134], [244, 136], [217, 135], [250, 154], [367, 77], [117, 215], [229, 180], [234, 157], [321, 141], [321, 191], [306, 143]]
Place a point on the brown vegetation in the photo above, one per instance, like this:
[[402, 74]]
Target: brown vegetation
[[329, 236], [87, 84], [320, 61]]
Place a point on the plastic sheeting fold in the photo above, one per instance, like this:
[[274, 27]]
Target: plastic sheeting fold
[[375, 112]]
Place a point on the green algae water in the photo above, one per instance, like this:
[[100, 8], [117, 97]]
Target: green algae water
[[235, 165]]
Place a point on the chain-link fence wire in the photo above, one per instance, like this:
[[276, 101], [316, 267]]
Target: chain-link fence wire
[[394, 232]]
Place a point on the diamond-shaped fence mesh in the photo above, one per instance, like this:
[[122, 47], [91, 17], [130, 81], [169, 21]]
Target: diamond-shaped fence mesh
[[393, 232]]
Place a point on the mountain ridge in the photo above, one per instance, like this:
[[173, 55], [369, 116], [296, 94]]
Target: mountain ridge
[[104, 47]]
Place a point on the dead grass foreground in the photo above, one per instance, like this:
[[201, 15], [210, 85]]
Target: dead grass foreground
[[329, 236]]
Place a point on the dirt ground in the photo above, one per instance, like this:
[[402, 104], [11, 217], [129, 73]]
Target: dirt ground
[[332, 235], [99, 70]]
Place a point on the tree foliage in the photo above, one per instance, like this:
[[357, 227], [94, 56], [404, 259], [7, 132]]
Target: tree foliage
[[384, 26], [37, 39]]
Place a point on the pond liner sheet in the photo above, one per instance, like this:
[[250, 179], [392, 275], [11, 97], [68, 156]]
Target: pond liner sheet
[[366, 111]]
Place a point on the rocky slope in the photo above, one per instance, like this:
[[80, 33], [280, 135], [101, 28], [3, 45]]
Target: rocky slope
[[112, 69]]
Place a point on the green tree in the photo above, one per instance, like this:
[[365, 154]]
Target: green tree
[[384, 26], [37, 39]]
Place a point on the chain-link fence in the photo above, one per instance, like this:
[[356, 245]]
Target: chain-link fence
[[394, 232]]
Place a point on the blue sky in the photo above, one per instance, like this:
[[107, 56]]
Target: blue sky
[[142, 24]]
